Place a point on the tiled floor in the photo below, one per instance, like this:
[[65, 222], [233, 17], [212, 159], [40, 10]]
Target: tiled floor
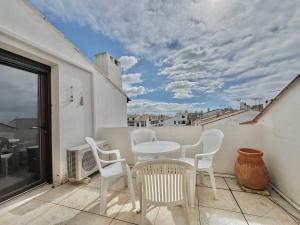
[[78, 204]]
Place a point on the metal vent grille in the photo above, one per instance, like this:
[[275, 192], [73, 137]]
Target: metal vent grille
[[88, 161], [71, 164]]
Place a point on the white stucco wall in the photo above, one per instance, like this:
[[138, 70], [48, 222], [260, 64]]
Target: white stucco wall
[[281, 142], [110, 105], [24, 31], [235, 137]]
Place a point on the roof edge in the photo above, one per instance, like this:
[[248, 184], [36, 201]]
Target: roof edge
[[225, 117], [266, 109]]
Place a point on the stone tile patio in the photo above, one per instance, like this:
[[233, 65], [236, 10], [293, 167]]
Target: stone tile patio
[[78, 204]]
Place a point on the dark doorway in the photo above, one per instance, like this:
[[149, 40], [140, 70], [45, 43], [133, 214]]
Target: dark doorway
[[25, 124]]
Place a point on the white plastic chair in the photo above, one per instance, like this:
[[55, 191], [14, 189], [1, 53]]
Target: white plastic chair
[[210, 141], [113, 170], [6, 155], [141, 135], [163, 182]]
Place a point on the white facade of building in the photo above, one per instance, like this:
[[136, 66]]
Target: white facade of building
[[180, 119], [24, 31]]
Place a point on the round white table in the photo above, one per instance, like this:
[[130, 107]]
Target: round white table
[[156, 148]]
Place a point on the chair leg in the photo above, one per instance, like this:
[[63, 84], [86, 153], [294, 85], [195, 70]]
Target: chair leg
[[103, 196], [186, 213], [125, 181], [130, 185], [5, 167], [213, 181], [192, 188], [201, 177], [143, 212]]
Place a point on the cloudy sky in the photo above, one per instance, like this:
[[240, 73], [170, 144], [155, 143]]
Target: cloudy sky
[[187, 54], [13, 105]]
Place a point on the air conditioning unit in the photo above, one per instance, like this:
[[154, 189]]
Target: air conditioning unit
[[81, 162]]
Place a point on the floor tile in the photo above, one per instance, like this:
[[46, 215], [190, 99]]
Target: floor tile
[[210, 216], [117, 185], [81, 198], [95, 182], [175, 216], [258, 205], [59, 193], [130, 215], [119, 222], [23, 198], [283, 203], [224, 201], [25, 213], [84, 218], [258, 220], [57, 215], [233, 184], [220, 182], [115, 202]]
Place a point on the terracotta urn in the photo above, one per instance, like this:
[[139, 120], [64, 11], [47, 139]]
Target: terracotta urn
[[250, 169]]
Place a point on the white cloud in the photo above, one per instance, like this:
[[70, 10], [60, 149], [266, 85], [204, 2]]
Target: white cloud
[[129, 85], [132, 78], [232, 47], [141, 106], [182, 89], [128, 62], [12, 105]]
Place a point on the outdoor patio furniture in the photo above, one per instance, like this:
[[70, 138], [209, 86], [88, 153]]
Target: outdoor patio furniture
[[211, 141], [141, 135], [156, 149], [5, 154], [4, 161], [33, 159], [163, 182], [113, 170]]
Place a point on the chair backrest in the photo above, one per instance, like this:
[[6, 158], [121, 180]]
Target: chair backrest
[[95, 151], [142, 135], [163, 181], [4, 143], [212, 140]]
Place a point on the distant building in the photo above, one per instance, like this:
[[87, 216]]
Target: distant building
[[194, 116], [7, 131], [244, 106], [181, 119], [256, 107], [146, 120], [216, 112], [26, 129]]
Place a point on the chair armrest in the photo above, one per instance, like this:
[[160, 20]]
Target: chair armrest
[[109, 152], [187, 147], [197, 156], [113, 161]]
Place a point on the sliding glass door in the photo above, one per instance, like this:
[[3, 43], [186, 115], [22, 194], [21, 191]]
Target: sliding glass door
[[24, 124]]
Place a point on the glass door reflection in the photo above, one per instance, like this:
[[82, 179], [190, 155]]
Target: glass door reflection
[[20, 138]]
